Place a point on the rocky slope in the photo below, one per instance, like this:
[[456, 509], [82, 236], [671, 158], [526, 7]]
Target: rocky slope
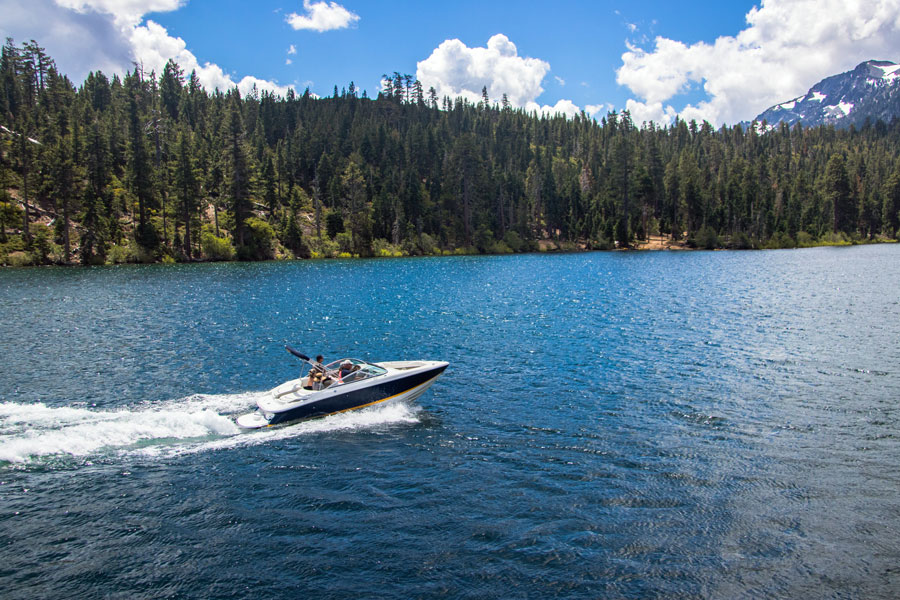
[[871, 90]]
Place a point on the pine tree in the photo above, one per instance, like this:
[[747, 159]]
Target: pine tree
[[188, 189], [890, 208], [170, 88], [140, 170], [94, 219], [240, 171], [837, 194]]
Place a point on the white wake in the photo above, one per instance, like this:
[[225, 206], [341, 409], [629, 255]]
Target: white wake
[[32, 432]]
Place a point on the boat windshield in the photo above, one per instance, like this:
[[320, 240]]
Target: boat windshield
[[348, 370]]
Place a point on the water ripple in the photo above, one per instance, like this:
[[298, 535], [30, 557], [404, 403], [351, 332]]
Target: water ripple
[[616, 425]]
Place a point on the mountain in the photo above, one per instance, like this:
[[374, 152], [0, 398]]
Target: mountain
[[871, 90]]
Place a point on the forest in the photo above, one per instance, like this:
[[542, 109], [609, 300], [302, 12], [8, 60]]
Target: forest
[[154, 168]]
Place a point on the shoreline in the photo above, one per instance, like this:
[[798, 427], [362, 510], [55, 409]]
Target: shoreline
[[653, 244]]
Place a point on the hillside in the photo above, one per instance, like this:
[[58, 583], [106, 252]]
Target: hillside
[[152, 167], [868, 92]]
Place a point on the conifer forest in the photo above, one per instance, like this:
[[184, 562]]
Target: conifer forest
[[151, 167]]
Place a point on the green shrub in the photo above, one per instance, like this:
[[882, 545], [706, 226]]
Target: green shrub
[[147, 237], [216, 248], [780, 240], [740, 241], [484, 239], [259, 241], [117, 255], [15, 244], [381, 247], [500, 247], [345, 242], [292, 239], [20, 259], [42, 247], [323, 248], [601, 244], [837, 238], [129, 253], [804, 240], [513, 241], [707, 238], [418, 245], [428, 244]]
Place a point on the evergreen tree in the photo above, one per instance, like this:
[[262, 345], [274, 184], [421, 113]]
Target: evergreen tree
[[188, 189], [240, 171], [890, 210], [96, 197], [140, 169], [124, 157], [837, 194]]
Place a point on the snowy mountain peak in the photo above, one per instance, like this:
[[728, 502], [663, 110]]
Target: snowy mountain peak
[[869, 90]]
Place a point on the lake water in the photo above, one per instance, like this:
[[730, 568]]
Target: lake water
[[612, 425]]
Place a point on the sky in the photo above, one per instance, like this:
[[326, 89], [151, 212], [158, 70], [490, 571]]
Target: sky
[[723, 61]]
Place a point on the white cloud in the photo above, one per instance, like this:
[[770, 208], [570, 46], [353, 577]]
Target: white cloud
[[563, 107], [153, 44], [292, 49], [645, 112], [454, 70], [787, 46], [78, 42], [598, 110], [126, 12], [559, 80], [322, 16], [107, 35]]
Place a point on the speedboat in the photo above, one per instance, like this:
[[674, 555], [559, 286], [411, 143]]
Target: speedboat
[[349, 383]]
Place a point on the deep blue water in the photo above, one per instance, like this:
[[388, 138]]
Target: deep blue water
[[612, 425]]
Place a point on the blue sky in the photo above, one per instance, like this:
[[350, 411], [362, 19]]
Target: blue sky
[[723, 61], [582, 41]]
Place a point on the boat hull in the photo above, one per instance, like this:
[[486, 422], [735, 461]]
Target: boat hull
[[397, 386]]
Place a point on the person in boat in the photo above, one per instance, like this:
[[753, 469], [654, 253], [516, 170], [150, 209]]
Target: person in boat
[[346, 372], [346, 369], [317, 374]]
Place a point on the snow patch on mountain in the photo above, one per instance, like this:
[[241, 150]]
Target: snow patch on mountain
[[872, 90]]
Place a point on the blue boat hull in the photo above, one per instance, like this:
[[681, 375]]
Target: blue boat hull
[[366, 396]]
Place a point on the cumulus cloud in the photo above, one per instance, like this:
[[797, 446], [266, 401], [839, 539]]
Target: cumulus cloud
[[598, 110], [292, 49], [107, 35], [563, 107], [322, 16], [787, 46], [78, 42], [454, 70], [125, 12]]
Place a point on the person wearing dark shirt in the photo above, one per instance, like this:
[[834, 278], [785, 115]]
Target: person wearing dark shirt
[[317, 374]]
